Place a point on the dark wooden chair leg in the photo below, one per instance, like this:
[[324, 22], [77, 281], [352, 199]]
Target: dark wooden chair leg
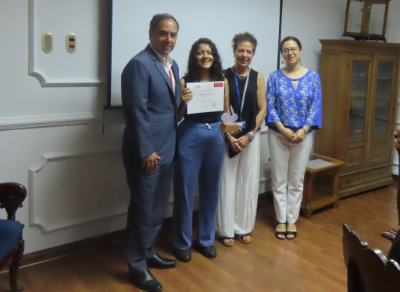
[[14, 266]]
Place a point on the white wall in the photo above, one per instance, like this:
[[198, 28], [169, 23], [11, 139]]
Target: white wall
[[51, 126], [310, 21], [51, 138]]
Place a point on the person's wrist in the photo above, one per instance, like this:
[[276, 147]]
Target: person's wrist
[[305, 130], [250, 136]]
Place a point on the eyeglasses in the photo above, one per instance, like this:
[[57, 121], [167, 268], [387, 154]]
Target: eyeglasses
[[292, 50]]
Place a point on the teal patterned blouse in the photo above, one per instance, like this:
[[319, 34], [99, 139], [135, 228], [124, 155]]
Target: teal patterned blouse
[[294, 108]]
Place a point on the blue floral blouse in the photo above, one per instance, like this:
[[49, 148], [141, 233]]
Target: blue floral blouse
[[294, 108]]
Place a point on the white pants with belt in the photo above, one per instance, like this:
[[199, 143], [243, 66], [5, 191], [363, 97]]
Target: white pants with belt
[[289, 162], [240, 180]]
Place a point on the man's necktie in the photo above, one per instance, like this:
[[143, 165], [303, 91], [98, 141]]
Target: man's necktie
[[170, 78]]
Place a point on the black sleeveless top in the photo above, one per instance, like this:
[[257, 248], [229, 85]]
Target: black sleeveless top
[[250, 107], [203, 118]]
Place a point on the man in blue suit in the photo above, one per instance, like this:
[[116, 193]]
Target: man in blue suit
[[150, 96]]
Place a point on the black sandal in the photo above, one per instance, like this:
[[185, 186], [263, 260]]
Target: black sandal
[[277, 233], [294, 233], [224, 242], [391, 234], [241, 237]]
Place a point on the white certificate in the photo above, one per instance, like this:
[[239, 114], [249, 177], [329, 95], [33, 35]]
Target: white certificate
[[207, 97]]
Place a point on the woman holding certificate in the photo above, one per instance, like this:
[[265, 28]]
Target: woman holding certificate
[[294, 110], [241, 170], [200, 149]]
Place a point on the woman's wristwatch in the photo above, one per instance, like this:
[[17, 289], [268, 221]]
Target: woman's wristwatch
[[305, 130], [250, 135]]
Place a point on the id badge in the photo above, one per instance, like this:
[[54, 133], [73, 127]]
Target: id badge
[[242, 124]]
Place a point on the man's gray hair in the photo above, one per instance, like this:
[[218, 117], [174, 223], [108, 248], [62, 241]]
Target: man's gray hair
[[157, 18]]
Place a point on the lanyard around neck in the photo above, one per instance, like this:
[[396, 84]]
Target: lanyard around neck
[[241, 102]]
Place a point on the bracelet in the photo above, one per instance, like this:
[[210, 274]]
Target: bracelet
[[306, 131], [250, 136]]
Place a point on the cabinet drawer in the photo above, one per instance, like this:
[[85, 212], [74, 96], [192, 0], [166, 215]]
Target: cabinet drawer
[[364, 177]]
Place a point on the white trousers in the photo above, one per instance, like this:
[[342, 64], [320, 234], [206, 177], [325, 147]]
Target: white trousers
[[288, 166], [237, 206]]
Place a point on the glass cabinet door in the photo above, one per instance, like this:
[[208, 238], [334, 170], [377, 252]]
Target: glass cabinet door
[[358, 99], [382, 98]]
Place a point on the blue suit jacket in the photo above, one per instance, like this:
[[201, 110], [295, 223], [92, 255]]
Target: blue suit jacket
[[150, 108]]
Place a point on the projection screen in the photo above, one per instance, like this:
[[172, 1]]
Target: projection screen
[[218, 20]]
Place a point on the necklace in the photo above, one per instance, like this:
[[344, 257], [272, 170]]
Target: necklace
[[244, 77]]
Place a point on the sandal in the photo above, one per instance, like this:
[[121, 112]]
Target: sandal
[[241, 238], [227, 241], [293, 233], [282, 233], [391, 234]]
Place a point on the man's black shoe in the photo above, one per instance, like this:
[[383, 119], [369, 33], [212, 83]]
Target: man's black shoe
[[183, 255], [161, 263], [145, 281], [207, 251]]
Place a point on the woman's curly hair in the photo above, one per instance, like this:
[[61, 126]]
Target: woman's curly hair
[[193, 69], [244, 37]]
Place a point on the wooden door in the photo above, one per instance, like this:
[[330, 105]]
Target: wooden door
[[361, 76], [382, 110]]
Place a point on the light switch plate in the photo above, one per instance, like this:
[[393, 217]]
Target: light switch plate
[[70, 43], [47, 43]]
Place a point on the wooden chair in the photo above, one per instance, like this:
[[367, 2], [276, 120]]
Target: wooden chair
[[368, 270], [11, 243]]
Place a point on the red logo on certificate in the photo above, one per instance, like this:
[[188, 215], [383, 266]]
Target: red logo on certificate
[[218, 84]]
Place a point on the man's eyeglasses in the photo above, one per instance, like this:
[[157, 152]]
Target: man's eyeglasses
[[292, 50]]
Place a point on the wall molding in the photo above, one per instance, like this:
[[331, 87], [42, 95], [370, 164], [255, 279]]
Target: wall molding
[[51, 157], [29, 122], [40, 75], [46, 158]]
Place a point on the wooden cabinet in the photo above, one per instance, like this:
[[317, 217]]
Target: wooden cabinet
[[359, 96]]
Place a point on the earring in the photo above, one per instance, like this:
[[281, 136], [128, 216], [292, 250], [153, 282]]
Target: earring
[[283, 62]]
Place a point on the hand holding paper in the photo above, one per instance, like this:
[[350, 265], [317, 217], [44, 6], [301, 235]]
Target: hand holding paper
[[186, 95]]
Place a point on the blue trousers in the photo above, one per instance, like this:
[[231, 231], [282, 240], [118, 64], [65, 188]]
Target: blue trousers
[[149, 199], [200, 159]]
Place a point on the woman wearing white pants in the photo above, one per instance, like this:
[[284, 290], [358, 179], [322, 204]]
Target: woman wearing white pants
[[294, 110], [237, 204]]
